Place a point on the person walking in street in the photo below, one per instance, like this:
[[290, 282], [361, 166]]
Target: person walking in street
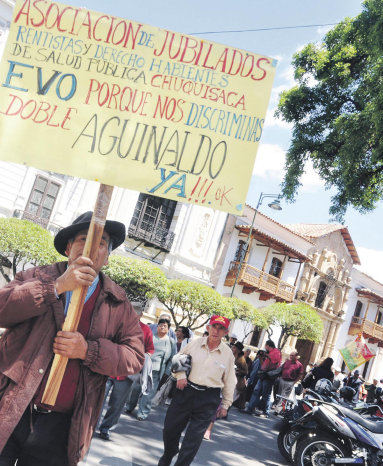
[[171, 332], [371, 391], [262, 391], [164, 350], [249, 361], [207, 434], [253, 375], [184, 336], [120, 387], [108, 342], [292, 372], [198, 396], [338, 379], [240, 373], [232, 339], [355, 382]]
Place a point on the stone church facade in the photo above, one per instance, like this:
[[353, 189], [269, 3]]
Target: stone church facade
[[325, 283]]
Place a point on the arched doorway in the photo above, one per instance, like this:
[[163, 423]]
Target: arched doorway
[[304, 348]]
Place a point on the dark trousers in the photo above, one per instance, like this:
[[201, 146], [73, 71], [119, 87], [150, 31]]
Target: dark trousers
[[189, 405], [44, 445]]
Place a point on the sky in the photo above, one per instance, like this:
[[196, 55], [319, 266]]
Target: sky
[[211, 19]]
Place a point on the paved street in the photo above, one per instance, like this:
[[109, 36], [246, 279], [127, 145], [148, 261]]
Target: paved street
[[242, 440]]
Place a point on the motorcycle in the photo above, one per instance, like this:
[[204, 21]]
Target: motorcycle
[[291, 411], [287, 434], [374, 409], [340, 436], [371, 409]]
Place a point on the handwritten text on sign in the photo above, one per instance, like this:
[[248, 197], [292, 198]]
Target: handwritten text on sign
[[99, 97]]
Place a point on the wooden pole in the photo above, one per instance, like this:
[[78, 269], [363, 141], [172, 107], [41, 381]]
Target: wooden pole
[[265, 262], [296, 278], [76, 305]]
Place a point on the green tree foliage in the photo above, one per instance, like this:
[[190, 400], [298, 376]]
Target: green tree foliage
[[296, 319], [247, 314], [140, 279], [336, 110], [24, 244], [196, 302]]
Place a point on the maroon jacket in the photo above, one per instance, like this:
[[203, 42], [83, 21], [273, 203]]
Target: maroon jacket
[[32, 314], [272, 361]]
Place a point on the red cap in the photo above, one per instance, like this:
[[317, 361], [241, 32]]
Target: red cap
[[220, 320]]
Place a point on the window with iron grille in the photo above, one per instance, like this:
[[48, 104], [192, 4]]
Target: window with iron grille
[[41, 200], [151, 220]]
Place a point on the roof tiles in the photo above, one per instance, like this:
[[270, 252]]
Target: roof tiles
[[312, 230]]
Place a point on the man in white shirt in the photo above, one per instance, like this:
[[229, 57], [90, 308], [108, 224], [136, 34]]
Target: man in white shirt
[[197, 397], [338, 379]]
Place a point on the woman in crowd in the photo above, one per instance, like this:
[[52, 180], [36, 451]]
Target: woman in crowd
[[323, 371], [183, 335], [241, 373], [164, 350], [248, 360]]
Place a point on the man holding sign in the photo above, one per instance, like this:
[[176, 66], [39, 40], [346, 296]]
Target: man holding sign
[[108, 343]]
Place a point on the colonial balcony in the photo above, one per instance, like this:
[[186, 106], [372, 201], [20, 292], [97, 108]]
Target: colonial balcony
[[369, 329], [154, 236], [253, 279]]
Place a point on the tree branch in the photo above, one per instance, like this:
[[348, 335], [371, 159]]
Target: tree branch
[[4, 274]]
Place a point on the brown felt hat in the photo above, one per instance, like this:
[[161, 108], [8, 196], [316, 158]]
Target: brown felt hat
[[116, 231], [239, 345]]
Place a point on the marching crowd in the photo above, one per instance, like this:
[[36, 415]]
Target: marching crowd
[[110, 349], [200, 378], [260, 377]]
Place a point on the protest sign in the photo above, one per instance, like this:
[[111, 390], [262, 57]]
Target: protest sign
[[356, 353], [126, 104]]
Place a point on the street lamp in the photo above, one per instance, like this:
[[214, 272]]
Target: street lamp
[[275, 205]]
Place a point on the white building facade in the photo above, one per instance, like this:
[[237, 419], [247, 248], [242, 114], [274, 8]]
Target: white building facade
[[266, 271], [309, 263], [364, 316]]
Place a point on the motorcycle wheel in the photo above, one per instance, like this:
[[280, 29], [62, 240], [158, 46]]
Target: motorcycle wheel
[[317, 450], [286, 438]]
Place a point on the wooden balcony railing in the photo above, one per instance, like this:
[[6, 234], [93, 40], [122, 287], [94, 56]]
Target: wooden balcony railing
[[153, 235], [251, 277], [369, 328]]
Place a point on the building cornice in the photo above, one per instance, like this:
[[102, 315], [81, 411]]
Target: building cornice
[[370, 295]]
